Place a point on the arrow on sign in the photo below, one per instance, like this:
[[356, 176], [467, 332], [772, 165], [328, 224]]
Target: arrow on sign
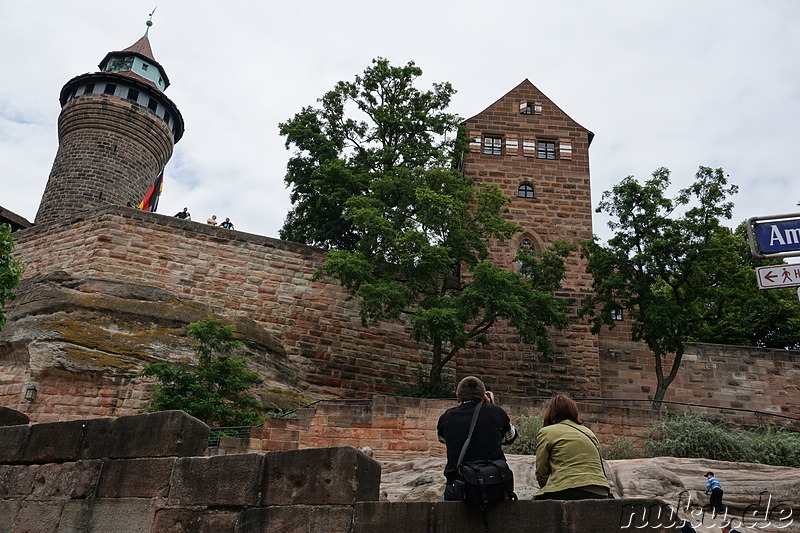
[[778, 276]]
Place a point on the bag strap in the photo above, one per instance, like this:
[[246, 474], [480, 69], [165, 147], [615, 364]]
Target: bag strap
[[469, 435]]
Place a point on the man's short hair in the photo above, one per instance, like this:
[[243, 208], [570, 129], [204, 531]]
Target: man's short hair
[[709, 474], [470, 388]]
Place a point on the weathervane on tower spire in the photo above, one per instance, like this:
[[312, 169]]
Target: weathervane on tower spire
[[150, 21]]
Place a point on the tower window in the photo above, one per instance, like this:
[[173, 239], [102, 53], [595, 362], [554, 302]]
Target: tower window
[[133, 94], [493, 145], [144, 66], [524, 246], [530, 108], [546, 150], [111, 88], [152, 105], [525, 190], [616, 314], [89, 89], [167, 118]]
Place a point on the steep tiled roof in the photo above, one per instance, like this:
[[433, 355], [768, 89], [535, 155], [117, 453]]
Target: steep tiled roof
[[142, 46]]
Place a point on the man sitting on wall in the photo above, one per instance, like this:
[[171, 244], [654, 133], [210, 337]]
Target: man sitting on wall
[[492, 430]]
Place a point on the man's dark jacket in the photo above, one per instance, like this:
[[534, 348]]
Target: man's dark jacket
[[492, 429]]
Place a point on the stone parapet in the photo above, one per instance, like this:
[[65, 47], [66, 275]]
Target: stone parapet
[[320, 490]]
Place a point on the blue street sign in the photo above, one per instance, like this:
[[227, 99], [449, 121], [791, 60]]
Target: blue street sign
[[775, 236]]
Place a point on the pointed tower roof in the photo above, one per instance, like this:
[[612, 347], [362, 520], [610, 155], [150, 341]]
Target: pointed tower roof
[[137, 61], [142, 47]]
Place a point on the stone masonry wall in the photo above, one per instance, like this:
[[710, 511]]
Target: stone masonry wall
[[270, 281], [724, 376], [399, 428], [110, 151], [145, 473]]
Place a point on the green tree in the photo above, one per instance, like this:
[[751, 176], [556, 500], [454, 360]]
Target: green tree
[[753, 317], [375, 179], [10, 270], [215, 388], [666, 266]]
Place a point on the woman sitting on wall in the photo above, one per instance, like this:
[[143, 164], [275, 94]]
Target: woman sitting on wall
[[568, 462]]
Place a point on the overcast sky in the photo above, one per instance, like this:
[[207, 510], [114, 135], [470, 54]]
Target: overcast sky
[[675, 83]]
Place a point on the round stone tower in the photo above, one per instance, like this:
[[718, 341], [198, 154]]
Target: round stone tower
[[116, 131]]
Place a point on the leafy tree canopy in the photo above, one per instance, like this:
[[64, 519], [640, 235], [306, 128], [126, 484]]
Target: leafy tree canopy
[[667, 265], [753, 317], [213, 389], [10, 270], [370, 143], [375, 178]]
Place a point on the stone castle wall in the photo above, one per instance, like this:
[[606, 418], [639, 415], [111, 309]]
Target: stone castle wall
[[235, 274], [148, 473], [715, 375], [399, 428], [270, 281]]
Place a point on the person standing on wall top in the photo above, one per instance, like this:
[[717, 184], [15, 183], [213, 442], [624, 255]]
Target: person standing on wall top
[[184, 214], [227, 224], [492, 430], [212, 221], [568, 462], [714, 488]]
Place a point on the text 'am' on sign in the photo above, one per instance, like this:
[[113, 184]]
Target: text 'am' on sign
[[774, 236]]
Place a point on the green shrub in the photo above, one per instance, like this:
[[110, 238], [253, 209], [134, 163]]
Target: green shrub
[[690, 435], [620, 448], [215, 387], [776, 446], [528, 427]]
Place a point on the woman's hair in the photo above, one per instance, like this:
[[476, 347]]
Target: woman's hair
[[560, 408]]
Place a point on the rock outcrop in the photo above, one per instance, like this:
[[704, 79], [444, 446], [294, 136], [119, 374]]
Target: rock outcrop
[[106, 330], [758, 497]]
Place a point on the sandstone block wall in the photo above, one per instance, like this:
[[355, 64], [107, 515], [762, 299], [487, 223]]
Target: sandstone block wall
[[142, 474], [738, 377], [399, 428], [270, 281], [110, 151]]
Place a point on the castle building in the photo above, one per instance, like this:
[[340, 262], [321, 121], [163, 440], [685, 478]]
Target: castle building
[[116, 131], [539, 157], [107, 289]]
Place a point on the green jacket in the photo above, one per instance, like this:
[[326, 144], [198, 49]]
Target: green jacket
[[567, 459]]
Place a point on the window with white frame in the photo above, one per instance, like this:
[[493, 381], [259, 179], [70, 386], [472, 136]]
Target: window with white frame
[[546, 149], [493, 145]]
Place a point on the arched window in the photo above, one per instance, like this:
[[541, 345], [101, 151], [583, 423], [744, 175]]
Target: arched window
[[524, 245], [525, 190]]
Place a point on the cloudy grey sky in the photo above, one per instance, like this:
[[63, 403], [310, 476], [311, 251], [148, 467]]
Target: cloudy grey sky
[[675, 83]]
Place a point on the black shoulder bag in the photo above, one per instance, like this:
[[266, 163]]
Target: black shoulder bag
[[481, 482]]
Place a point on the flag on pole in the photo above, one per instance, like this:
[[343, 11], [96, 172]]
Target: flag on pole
[[150, 202]]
